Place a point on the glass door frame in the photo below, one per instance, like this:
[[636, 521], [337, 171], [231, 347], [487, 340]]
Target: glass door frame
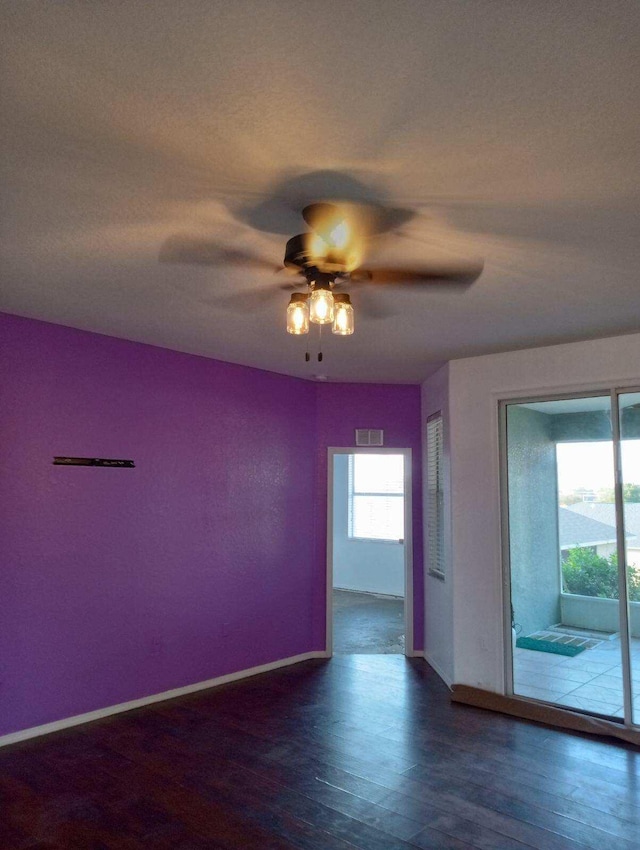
[[623, 601], [623, 582]]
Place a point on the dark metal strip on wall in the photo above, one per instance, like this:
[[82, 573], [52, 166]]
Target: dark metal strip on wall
[[60, 460]]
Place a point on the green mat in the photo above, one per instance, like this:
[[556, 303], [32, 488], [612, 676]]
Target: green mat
[[548, 646]]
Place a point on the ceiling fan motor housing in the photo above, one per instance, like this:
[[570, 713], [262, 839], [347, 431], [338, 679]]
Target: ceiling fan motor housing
[[299, 256]]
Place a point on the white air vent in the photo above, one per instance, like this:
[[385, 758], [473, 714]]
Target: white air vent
[[369, 437]]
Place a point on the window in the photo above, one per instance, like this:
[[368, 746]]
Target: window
[[435, 495], [376, 497]]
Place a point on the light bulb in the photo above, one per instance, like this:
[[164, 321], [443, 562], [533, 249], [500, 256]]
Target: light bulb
[[298, 314], [343, 323], [321, 304]]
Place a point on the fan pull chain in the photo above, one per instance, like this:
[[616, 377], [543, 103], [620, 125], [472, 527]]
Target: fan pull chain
[[320, 355], [307, 356]]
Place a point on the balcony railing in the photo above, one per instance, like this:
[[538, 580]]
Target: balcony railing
[[597, 614]]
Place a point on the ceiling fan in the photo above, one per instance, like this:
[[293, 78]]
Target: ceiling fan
[[331, 254], [328, 258]]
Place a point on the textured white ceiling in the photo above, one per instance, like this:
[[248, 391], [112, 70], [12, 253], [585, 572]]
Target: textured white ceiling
[[511, 127]]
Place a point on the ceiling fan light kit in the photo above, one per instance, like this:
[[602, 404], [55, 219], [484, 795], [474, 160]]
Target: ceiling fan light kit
[[322, 307], [321, 310], [298, 314], [343, 322]]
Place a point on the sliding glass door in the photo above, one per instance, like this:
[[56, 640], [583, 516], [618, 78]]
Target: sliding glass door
[[629, 423], [572, 474]]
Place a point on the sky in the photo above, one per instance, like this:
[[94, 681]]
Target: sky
[[590, 465]]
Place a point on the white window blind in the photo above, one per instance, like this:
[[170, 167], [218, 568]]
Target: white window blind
[[376, 497], [435, 495]]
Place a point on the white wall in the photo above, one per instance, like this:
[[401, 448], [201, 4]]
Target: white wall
[[606, 549], [438, 621], [374, 567], [475, 387]]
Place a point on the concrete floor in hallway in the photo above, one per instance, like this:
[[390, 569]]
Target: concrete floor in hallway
[[367, 624]]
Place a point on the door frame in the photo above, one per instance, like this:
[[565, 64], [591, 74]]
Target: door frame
[[612, 391], [332, 451]]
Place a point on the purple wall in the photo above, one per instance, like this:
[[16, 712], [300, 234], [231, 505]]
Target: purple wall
[[118, 583], [207, 558], [341, 409]]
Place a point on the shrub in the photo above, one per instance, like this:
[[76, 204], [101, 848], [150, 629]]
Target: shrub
[[588, 574]]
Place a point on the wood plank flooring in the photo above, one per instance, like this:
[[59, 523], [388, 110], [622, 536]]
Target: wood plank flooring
[[361, 751]]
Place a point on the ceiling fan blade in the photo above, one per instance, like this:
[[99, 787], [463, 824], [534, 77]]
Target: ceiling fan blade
[[192, 250], [279, 211], [295, 284], [367, 305], [456, 274], [247, 299]]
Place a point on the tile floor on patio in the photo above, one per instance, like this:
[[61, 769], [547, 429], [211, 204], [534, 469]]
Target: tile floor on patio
[[591, 681]]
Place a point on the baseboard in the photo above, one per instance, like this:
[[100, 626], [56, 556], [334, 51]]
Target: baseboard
[[78, 719], [414, 653], [541, 712], [448, 682]]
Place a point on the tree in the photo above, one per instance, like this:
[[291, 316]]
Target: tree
[[588, 574], [570, 499], [631, 492], [606, 494]]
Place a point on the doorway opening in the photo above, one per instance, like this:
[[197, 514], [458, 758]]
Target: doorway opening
[[369, 558], [571, 508]]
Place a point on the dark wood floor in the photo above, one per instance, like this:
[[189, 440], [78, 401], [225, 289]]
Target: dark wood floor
[[362, 751]]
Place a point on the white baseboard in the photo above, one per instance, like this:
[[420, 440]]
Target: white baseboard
[[65, 723], [448, 682]]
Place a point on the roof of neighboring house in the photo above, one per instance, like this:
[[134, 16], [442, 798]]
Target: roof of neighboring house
[[575, 529], [606, 512]]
